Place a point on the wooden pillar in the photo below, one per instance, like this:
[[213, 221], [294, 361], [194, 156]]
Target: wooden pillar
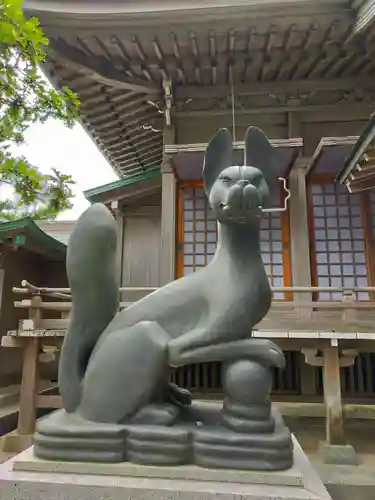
[[30, 376], [332, 396], [294, 125], [330, 360], [300, 250], [299, 229], [168, 214], [117, 209]]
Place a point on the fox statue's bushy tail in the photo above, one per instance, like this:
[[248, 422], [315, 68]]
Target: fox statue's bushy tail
[[91, 268]]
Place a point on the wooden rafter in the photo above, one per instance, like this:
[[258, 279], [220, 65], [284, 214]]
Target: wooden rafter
[[99, 69]]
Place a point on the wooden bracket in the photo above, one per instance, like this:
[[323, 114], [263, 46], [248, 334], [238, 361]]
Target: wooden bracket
[[168, 101], [311, 357], [48, 354], [346, 358], [7, 341]]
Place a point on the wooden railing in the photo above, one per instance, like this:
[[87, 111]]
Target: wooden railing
[[347, 316], [327, 335]]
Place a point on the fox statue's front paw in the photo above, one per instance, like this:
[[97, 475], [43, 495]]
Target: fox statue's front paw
[[273, 354], [178, 395]]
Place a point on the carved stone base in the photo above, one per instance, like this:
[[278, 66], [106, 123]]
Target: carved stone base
[[66, 437], [225, 449], [243, 433]]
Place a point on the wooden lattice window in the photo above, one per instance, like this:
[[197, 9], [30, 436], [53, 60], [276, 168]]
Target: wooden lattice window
[[338, 237], [198, 231], [198, 237]]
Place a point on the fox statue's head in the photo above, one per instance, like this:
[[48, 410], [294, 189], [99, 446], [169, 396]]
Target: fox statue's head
[[237, 194]]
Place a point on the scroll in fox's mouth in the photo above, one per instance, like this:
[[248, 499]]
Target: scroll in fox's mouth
[[240, 214]]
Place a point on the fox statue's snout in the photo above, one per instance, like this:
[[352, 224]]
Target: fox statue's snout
[[238, 195]]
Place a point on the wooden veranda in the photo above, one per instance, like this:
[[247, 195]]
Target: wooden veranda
[[338, 350]]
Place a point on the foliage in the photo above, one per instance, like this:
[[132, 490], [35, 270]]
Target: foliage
[[26, 98]]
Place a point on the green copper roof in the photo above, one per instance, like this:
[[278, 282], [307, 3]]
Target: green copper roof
[[121, 183], [28, 226]]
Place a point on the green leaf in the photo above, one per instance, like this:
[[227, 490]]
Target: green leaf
[[25, 98]]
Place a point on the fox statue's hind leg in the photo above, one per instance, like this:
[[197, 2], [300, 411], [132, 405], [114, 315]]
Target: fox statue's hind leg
[[138, 387], [104, 383]]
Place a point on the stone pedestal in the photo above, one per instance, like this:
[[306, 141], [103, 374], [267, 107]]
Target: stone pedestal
[[244, 432], [28, 478]]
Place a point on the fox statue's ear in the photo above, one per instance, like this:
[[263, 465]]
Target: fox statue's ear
[[218, 156], [259, 153]]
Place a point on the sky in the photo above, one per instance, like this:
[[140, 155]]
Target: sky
[[71, 151]]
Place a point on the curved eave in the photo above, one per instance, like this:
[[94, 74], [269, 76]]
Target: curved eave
[[358, 172], [120, 121], [128, 187], [110, 12], [39, 242], [365, 16]]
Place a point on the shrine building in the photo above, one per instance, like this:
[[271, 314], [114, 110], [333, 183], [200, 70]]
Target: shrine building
[[157, 79]]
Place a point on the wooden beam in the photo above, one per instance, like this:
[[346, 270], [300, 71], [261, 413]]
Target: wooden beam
[[201, 146], [364, 109], [273, 88], [332, 396]]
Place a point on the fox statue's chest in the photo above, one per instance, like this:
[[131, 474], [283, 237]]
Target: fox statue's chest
[[241, 308], [252, 307]]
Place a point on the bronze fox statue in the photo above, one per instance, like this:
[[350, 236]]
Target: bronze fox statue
[[114, 365]]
